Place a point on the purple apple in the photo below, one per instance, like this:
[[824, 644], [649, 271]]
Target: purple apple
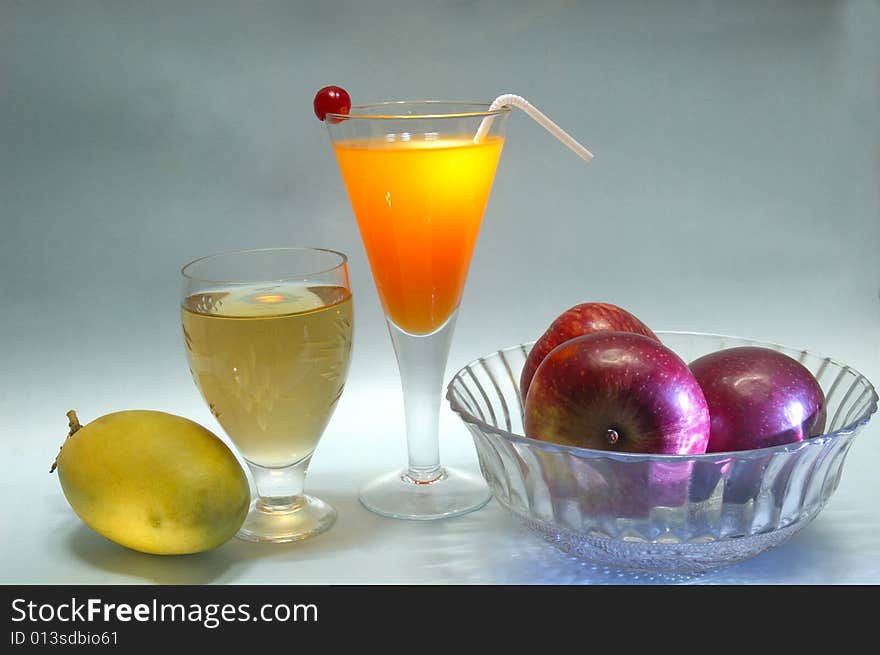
[[580, 320], [758, 397], [617, 391]]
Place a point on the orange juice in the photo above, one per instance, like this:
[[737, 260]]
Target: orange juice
[[419, 203]]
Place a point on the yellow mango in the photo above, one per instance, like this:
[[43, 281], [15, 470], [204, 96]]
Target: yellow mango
[[154, 482]]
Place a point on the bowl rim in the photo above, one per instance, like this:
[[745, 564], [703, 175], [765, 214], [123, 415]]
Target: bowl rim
[[850, 429]]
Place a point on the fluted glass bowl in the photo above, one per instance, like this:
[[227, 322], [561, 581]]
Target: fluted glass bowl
[[661, 513]]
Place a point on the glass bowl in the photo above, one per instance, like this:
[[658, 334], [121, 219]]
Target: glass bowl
[[659, 513]]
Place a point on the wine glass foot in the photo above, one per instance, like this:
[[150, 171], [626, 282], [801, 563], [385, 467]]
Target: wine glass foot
[[283, 520], [399, 496]]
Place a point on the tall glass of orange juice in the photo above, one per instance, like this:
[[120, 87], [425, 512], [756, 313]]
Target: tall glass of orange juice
[[418, 181]]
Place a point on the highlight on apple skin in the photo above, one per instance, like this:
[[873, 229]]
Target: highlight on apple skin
[[585, 318], [757, 398], [617, 391]]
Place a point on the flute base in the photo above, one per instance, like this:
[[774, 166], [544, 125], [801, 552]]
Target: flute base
[[452, 493]]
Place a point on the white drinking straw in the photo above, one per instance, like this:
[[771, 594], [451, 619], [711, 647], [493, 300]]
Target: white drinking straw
[[511, 100]]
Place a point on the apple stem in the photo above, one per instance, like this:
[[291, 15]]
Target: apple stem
[[612, 436]]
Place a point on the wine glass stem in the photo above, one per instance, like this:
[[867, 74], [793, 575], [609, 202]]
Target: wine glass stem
[[421, 360], [280, 489]]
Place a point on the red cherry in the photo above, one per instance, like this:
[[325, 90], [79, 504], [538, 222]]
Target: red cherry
[[331, 100]]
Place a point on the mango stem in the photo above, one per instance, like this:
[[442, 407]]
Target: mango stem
[[74, 425]]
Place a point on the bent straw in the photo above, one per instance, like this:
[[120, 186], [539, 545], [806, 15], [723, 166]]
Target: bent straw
[[509, 99]]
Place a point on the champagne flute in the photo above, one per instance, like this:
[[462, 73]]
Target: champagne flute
[[268, 337], [418, 182]]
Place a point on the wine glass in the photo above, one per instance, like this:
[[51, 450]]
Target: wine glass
[[418, 180], [268, 337]]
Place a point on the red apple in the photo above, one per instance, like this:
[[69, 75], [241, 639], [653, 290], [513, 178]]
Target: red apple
[[623, 489], [758, 397], [586, 318], [617, 391]]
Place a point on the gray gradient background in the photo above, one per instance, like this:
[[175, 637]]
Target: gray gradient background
[[735, 190]]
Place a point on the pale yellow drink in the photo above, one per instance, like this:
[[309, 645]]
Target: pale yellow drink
[[271, 362]]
